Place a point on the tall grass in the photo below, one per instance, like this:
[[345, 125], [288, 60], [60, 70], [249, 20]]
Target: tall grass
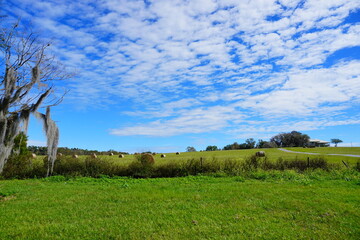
[[144, 166]]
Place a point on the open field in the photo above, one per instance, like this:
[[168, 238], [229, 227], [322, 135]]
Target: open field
[[232, 162], [285, 206], [329, 150], [272, 153]]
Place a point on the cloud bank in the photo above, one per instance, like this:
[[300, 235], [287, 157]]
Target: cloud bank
[[241, 67]]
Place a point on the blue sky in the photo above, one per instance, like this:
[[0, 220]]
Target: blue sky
[[166, 74]]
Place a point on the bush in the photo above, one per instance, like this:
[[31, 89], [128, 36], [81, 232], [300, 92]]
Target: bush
[[198, 166], [232, 166], [251, 163], [143, 167], [67, 165], [319, 162], [171, 169], [139, 170], [357, 166], [18, 166], [95, 167]]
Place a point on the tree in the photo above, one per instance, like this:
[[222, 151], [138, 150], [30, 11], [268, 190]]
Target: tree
[[211, 148], [250, 143], [260, 143], [190, 149], [233, 146], [25, 83], [336, 141], [265, 144], [292, 139], [20, 144]]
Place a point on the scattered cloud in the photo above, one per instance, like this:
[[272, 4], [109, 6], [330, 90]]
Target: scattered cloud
[[206, 65], [36, 143]]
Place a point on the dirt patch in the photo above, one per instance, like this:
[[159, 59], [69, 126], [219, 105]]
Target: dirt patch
[[7, 198]]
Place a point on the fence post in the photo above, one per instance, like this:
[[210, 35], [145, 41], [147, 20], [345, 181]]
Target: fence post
[[308, 162]]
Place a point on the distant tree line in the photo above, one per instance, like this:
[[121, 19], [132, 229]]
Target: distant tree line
[[70, 151], [291, 139]]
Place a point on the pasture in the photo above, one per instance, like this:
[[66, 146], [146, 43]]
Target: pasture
[[272, 154], [276, 205], [329, 150], [245, 204], [231, 162]]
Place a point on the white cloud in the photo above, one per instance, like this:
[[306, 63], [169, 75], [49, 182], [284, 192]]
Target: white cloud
[[36, 143], [205, 64], [196, 120]]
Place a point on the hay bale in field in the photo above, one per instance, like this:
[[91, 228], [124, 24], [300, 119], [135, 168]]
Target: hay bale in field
[[260, 154], [163, 155], [121, 156], [60, 154], [33, 155], [111, 154], [153, 154], [93, 155], [75, 156], [177, 153], [147, 159]]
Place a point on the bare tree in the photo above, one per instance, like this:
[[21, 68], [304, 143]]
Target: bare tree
[[26, 84]]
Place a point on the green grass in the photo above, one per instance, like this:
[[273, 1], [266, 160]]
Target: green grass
[[329, 150], [272, 153], [285, 206], [231, 162]]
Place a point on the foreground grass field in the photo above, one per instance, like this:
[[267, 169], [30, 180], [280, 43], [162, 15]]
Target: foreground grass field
[[283, 205]]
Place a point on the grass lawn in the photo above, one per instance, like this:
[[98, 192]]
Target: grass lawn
[[180, 208], [329, 150]]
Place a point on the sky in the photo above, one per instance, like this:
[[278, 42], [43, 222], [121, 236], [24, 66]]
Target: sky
[[166, 74]]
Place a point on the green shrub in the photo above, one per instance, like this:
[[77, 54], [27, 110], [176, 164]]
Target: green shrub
[[67, 165], [357, 165], [251, 163], [171, 169], [96, 166], [138, 170], [18, 166], [232, 166], [319, 162], [212, 166]]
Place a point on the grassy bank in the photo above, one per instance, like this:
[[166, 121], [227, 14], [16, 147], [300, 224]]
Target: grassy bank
[[282, 205]]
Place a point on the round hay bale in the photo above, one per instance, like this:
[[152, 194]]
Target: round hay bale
[[177, 153], [260, 154], [147, 158], [33, 155], [93, 155], [75, 156], [163, 155], [153, 154], [60, 154], [121, 156], [111, 154]]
